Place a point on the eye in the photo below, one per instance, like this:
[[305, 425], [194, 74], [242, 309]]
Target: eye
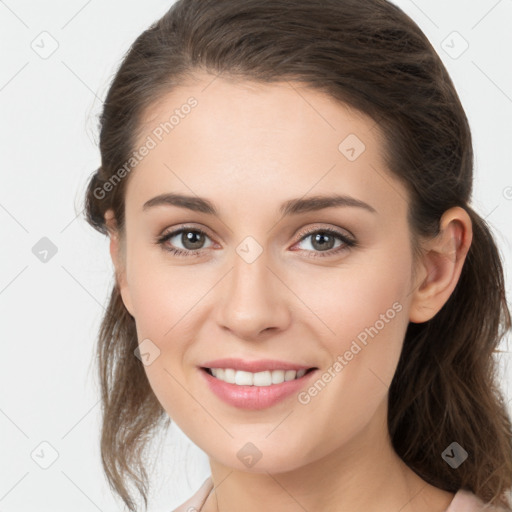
[[324, 241], [192, 240]]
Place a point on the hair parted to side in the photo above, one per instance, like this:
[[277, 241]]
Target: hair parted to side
[[370, 55]]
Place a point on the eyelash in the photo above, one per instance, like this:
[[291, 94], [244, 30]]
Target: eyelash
[[348, 242]]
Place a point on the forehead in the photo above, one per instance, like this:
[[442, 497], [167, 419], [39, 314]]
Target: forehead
[[243, 110], [239, 140]]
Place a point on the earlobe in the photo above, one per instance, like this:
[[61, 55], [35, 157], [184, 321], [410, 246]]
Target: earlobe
[[118, 260], [441, 265]]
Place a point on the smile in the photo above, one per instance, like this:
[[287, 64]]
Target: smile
[[255, 391], [263, 378]]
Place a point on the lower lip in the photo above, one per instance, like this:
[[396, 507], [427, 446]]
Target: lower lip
[[254, 397]]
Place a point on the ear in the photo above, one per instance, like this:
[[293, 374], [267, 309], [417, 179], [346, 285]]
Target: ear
[[441, 265], [117, 253]]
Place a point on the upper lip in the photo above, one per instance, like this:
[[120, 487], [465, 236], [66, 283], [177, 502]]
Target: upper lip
[[253, 366]]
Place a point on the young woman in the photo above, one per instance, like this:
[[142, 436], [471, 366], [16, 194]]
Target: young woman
[[302, 284]]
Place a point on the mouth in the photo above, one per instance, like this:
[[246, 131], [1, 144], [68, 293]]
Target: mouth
[[257, 390], [257, 379]]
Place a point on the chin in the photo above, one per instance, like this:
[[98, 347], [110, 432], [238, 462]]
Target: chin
[[258, 460]]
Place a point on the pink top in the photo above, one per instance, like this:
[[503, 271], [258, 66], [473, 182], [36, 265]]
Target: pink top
[[463, 501]]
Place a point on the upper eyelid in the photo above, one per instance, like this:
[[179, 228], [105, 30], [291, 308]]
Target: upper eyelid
[[176, 231], [309, 231]]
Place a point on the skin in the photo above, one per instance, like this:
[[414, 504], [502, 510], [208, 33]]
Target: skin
[[248, 148]]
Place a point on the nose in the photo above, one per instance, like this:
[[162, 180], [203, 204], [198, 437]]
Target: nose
[[254, 300]]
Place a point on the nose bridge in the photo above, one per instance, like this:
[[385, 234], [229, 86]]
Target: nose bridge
[[253, 298]]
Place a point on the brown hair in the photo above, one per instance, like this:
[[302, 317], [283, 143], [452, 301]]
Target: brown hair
[[372, 56]]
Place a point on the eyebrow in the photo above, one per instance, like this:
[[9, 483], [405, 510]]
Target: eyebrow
[[290, 207]]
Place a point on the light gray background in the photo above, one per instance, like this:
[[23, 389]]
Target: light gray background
[[51, 311]]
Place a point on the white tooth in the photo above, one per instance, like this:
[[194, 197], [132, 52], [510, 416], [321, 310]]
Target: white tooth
[[290, 375], [277, 376], [229, 375], [262, 378], [243, 378]]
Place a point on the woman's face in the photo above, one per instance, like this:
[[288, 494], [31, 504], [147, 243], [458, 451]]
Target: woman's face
[[267, 280]]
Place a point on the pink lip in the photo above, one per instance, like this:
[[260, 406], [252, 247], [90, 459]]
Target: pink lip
[[254, 397], [253, 366]]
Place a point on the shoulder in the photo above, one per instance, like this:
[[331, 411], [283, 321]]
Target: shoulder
[[466, 501], [195, 502]]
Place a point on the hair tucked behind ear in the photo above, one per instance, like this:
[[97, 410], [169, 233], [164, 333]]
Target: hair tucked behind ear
[[446, 392], [373, 57]]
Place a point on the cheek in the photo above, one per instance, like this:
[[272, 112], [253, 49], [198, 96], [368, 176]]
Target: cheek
[[164, 327], [361, 323], [358, 296], [167, 302], [163, 294]]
